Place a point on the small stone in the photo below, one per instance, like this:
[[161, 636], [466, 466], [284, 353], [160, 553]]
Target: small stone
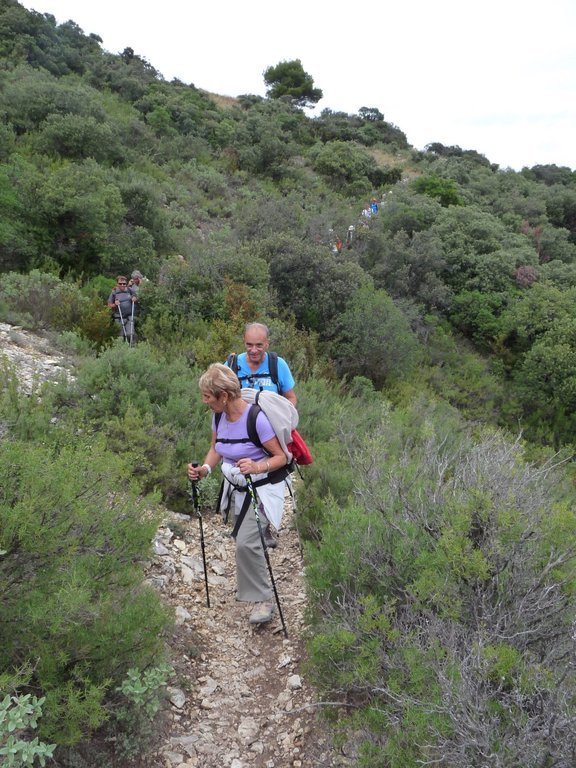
[[173, 758], [248, 730], [176, 696], [160, 549], [294, 682], [182, 615]]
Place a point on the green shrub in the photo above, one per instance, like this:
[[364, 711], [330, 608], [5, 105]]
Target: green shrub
[[345, 164], [376, 340], [74, 535], [149, 410], [444, 596], [74, 343], [19, 717], [138, 701], [40, 300], [95, 322]]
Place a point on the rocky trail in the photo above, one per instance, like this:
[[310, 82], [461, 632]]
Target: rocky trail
[[240, 697], [244, 699]]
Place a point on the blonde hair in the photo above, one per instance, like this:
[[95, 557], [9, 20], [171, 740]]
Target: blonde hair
[[218, 379]]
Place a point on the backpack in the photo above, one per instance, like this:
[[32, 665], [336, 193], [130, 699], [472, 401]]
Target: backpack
[[232, 362], [284, 419]]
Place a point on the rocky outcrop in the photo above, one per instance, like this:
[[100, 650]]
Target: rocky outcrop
[[32, 357]]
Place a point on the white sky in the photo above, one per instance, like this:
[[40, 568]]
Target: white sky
[[497, 76]]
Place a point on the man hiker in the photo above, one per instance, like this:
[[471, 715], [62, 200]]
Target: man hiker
[[259, 369], [121, 302]]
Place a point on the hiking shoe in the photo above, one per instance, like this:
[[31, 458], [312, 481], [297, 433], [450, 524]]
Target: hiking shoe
[[261, 613], [270, 540]]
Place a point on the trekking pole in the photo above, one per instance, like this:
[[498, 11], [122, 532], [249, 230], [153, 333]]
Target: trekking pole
[[132, 324], [254, 498], [122, 321], [194, 496]]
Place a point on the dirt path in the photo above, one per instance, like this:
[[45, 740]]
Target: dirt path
[[242, 699]]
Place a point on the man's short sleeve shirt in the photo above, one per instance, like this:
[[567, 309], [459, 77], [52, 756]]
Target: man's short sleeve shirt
[[254, 379]]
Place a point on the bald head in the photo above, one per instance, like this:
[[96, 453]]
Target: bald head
[[260, 327]]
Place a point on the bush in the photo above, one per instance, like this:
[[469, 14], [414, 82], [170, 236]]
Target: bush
[[40, 300], [345, 164], [73, 537], [138, 701], [148, 408], [445, 598], [375, 339], [95, 322], [331, 420]]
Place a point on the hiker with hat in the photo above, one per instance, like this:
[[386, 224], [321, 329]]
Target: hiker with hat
[[257, 368], [239, 457]]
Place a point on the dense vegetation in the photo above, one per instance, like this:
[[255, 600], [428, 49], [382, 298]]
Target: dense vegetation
[[435, 357]]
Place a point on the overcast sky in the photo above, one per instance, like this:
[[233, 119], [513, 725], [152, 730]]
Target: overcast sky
[[497, 76]]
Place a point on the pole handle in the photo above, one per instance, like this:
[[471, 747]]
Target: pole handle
[[194, 486]]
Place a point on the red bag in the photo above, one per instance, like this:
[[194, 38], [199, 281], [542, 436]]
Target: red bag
[[299, 449]]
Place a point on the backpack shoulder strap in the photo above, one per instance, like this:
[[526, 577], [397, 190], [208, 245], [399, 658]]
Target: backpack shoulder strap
[[232, 362], [251, 423], [273, 369]]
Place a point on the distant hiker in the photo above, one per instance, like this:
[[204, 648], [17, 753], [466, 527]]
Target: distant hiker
[[338, 245], [374, 207], [366, 212], [239, 457], [259, 369], [136, 278], [121, 302], [350, 235]]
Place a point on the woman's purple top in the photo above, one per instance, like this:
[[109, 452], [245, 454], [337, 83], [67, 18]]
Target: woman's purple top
[[234, 430]]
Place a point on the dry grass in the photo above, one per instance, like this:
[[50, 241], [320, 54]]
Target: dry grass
[[395, 159], [225, 102]]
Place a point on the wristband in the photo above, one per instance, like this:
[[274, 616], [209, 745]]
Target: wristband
[[208, 469]]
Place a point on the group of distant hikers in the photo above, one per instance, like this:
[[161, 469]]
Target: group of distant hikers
[[369, 210], [122, 301]]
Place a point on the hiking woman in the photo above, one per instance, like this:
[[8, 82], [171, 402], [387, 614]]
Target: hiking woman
[[231, 445]]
